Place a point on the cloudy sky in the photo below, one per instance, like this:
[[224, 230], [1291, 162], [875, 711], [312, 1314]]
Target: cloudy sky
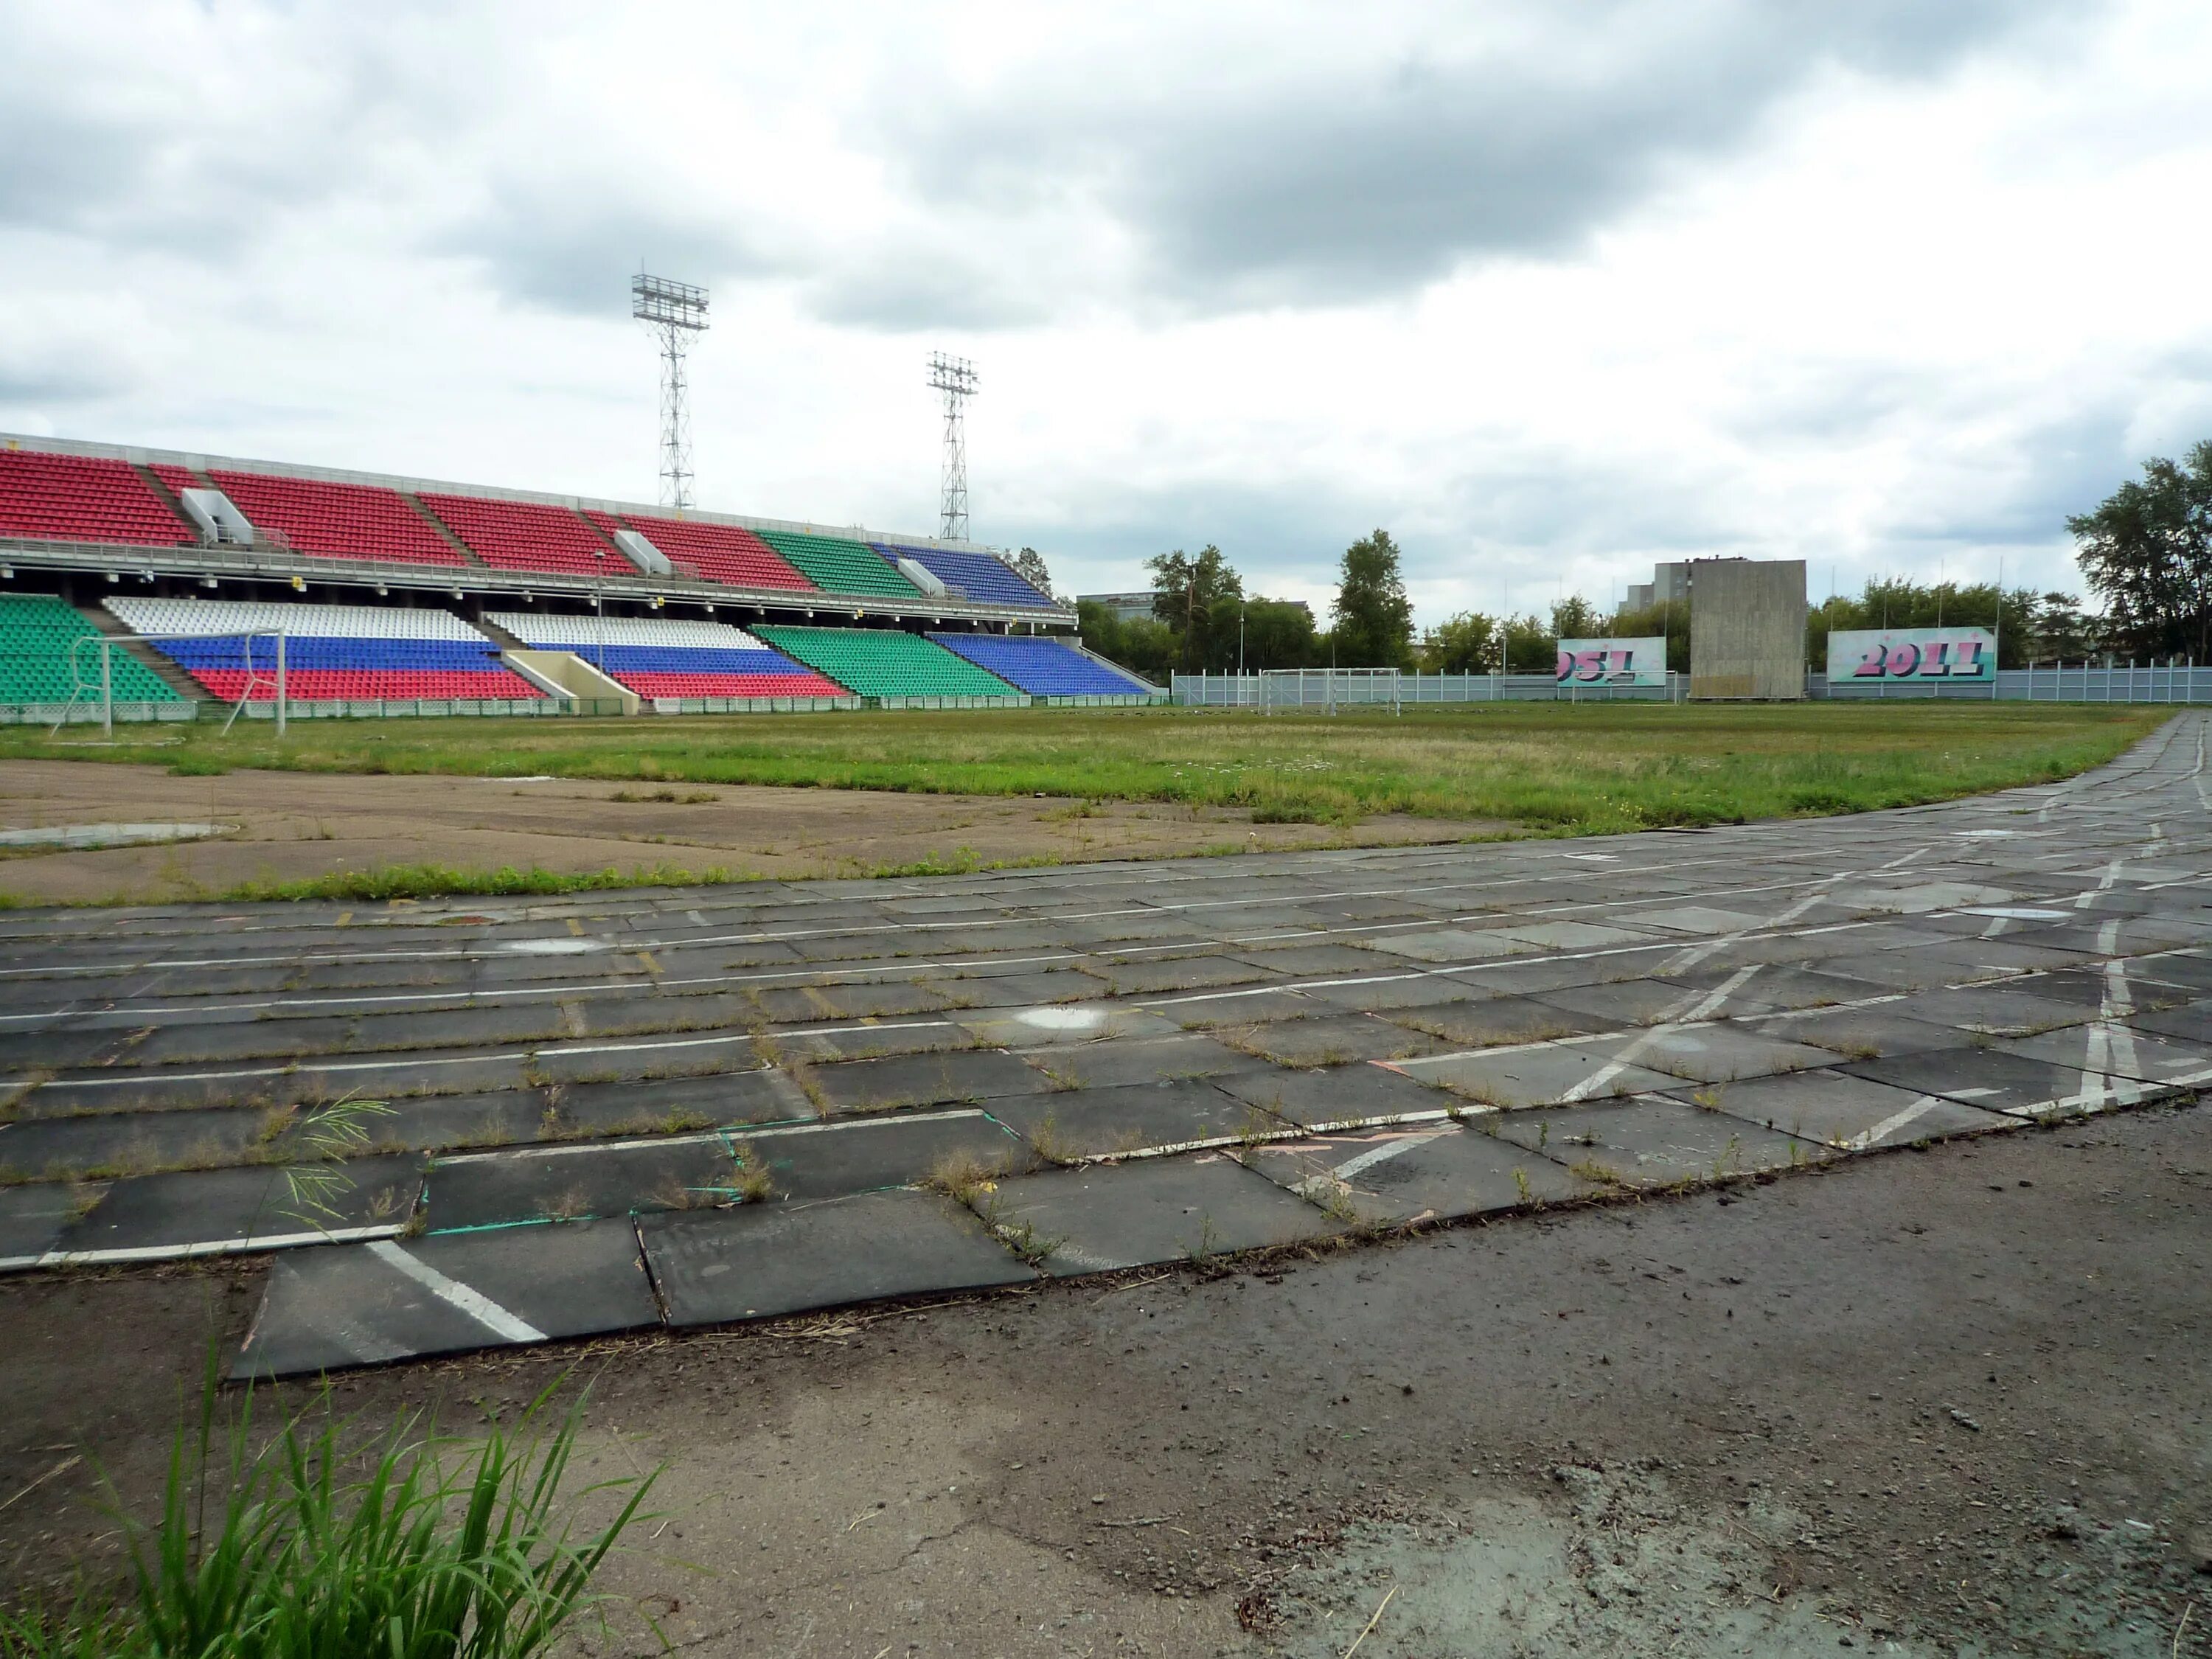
[[1549, 291]]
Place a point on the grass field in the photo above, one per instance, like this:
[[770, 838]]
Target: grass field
[[1543, 768]]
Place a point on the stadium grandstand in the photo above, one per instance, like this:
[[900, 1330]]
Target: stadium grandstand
[[405, 595]]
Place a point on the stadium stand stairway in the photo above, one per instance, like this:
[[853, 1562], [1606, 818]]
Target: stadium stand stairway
[[143, 652], [39, 634], [437, 526], [885, 663], [663, 659]]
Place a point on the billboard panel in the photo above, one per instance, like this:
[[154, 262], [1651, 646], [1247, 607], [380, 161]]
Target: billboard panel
[[1867, 656], [1613, 662]]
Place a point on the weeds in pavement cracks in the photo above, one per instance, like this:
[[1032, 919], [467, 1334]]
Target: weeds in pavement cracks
[[1521, 1184], [753, 1183], [972, 1182], [1590, 1169], [324, 1538], [315, 1185]]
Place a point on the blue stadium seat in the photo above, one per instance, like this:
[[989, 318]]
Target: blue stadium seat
[[975, 576], [1043, 667]]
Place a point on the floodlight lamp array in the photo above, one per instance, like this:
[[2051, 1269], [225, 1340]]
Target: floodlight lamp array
[[670, 304]]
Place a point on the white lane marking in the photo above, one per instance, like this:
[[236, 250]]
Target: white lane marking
[[1892, 1123], [1700, 1008], [2104, 885], [209, 1247], [476, 1305], [1383, 1154]]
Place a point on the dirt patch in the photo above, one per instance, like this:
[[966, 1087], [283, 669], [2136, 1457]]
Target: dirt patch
[[1929, 1402], [293, 826]]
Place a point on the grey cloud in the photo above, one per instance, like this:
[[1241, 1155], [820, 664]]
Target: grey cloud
[[1371, 179], [572, 250]]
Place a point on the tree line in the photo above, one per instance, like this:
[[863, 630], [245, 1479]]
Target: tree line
[[2146, 552]]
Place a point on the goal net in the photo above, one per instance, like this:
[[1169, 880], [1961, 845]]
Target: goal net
[[1329, 688], [252, 661]]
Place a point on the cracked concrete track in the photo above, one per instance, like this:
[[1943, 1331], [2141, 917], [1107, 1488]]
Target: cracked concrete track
[[1728, 1422]]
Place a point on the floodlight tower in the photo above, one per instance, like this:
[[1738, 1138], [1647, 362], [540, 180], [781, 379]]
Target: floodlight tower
[[955, 378], [674, 312]]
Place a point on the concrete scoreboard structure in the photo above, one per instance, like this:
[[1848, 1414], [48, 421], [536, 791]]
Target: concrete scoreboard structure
[[1748, 629]]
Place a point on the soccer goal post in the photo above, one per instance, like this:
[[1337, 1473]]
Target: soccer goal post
[[1329, 688], [261, 658]]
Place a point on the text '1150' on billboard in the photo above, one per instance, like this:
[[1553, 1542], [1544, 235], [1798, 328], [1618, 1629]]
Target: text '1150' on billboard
[[1613, 662], [1868, 655]]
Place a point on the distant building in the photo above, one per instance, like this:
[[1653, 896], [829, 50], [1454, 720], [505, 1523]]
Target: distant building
[[1668, 582], [1125, 607]]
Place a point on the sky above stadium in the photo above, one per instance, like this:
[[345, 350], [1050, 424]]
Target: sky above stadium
[[1550, 291]]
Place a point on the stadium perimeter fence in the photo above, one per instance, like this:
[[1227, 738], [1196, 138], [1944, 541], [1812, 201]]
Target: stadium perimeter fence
[[2160, 683], [373, 708]]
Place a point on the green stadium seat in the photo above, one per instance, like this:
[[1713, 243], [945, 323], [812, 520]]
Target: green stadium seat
[[882, 662], [837, 566], [38, 633]]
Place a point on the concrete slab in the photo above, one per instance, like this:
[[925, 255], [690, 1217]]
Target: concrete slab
[[810, 1160], [345, 1305], [1651, 1141], [1064, 1023], [1337, 1094], [1542, 1076], [1417, 1173], [1638, 1002], [1573, 935], [1484, 1022], [1860, 1033], [971, 988], [1136, 1117], [1450, 944], [127, 1143], [1695, 919], [1711, 1052], [213, 1211], [1131, 1215], [1211, 1010], [2120, 1051], [33, 1215], [1332, 1040], [1145, 975], [672, 1105], [768, 1260], [2190, 1021], [1994, 1011], [1387, 990], [578, 1181], [964, 1077], [1140, 1059], [1782, 985], [814, 1005], [1847, 1113], [2001, 1082]]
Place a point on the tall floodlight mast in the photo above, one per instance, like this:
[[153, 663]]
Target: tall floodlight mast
[[955, 378], [674, 312]]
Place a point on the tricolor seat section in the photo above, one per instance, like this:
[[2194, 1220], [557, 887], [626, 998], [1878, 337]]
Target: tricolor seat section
[[38, 638], [83, 498], [1044, 667], [331, 652], [975, 576], [671, 659], [883, 662]]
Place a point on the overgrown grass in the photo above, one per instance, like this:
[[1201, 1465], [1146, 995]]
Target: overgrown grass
[[407, 881], [320, 1541], [1550, 768]]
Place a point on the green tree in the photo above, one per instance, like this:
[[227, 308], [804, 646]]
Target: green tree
[[1278, 634], [2062, 633], [1530, 647], [1465, 644], [1373, 620], [1576, 618], [1140, 644], [2146, 552], [1199, 598], [1668, 620], [1029, 564]]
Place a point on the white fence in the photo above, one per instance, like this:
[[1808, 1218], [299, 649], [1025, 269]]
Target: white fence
[[2161, 682]]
